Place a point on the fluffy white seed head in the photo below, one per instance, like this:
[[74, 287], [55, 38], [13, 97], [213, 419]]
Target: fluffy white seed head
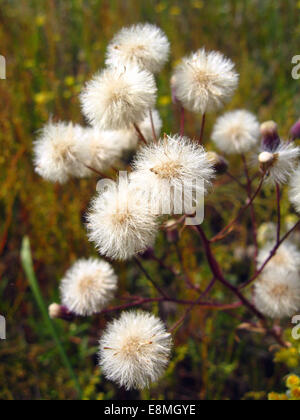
[[144, 45], [277, 298], [88, 286], [135, 350], [100, 148], [236, 132], [277, 291], [204, 81], [295, 190], [118, 97], [56, 152], [287, 258], [280, 164], [172, 165], [266, 233], [120, 221]]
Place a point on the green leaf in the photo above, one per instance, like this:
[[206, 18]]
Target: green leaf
[[26, 258]]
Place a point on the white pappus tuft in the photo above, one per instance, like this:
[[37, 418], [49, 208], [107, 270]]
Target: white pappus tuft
[[204, 81], [88, 286], [118, 97], [277, 291], [100, 149], [135, 350], [144, 45], [280, 163], [57, 151], [120, 221], [170, 168], [236, 132]]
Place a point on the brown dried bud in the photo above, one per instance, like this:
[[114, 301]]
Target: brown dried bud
[[270, 136], [219, 163], [148, 254]]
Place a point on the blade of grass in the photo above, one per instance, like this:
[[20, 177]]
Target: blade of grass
[[26, 258]]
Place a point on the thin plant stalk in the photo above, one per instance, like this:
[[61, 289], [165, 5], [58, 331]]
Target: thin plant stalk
[[27, 263], [252, 211], [202, 129], [141, 136], [182, 121], [153, 127], [272, 254], [217, 272], [227, 228], [278, 212]]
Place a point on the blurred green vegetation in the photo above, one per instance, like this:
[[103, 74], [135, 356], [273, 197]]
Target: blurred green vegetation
[[52, 47]]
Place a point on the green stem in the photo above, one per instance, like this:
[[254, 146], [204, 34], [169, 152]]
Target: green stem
[[26, 258]]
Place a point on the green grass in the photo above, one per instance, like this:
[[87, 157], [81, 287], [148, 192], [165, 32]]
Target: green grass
[[27, 263]]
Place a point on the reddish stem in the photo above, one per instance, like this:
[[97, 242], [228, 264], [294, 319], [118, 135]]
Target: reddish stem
[[224, 231], [182, 121], [141, 136], [142, 301], [185, 273], [272, 253], [144, 271], [202, 129], [253, 218], [153, 127], [101, 174], [278, 212], [235, 180], [217, 272]]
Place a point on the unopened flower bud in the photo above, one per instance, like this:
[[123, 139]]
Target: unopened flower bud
[[172, 231], [295, 131], [148, 254], [60, 312], [270, 136], [219, 163]]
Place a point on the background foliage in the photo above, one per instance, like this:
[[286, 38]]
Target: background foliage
[[52, 47]]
